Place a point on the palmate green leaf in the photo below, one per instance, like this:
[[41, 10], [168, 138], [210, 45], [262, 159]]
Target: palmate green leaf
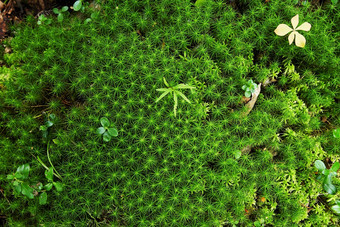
[[105, 122], [43, 198]]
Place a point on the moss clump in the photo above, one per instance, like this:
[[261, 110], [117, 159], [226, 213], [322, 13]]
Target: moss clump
[[163, 170]]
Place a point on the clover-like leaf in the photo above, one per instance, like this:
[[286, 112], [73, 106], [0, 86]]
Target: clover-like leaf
[[101, 130], [106, 137], [105, 122], [43, 198], [113, 131]]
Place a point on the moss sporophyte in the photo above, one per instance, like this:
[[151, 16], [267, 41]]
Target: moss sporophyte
[[284, 29]]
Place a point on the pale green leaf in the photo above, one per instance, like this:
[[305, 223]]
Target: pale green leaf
[[164, 94]]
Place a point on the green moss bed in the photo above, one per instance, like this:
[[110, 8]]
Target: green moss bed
[[210, 165]]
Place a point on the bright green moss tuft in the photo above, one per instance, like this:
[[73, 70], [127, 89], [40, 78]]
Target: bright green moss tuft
[[208, 166]]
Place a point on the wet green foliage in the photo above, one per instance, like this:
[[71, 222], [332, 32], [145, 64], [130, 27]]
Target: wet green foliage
[[163, 170]]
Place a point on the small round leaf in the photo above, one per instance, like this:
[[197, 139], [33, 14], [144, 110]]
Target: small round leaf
[[113, 132], [336, 209], [43, 198], [105, 122], [336, 133], [106, 137], [247, 94], [64, 9], [60, 17], [320, 165], [100, 130], [77, 5]]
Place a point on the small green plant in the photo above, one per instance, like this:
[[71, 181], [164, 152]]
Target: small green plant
[[334, 2], [336, 133], [42, 19], [249, 88], [107, 130], [22, 185], [325, 175], [78, 5], [175, 92], [48, 123], [60, 13]]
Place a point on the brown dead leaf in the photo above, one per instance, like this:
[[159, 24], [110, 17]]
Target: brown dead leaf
[[245, 99]]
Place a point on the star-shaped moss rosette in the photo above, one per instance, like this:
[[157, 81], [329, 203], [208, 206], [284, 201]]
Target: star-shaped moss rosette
[[284, 29], [108, 130]]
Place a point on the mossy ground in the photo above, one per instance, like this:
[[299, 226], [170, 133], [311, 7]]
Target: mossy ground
[[164, 170]]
